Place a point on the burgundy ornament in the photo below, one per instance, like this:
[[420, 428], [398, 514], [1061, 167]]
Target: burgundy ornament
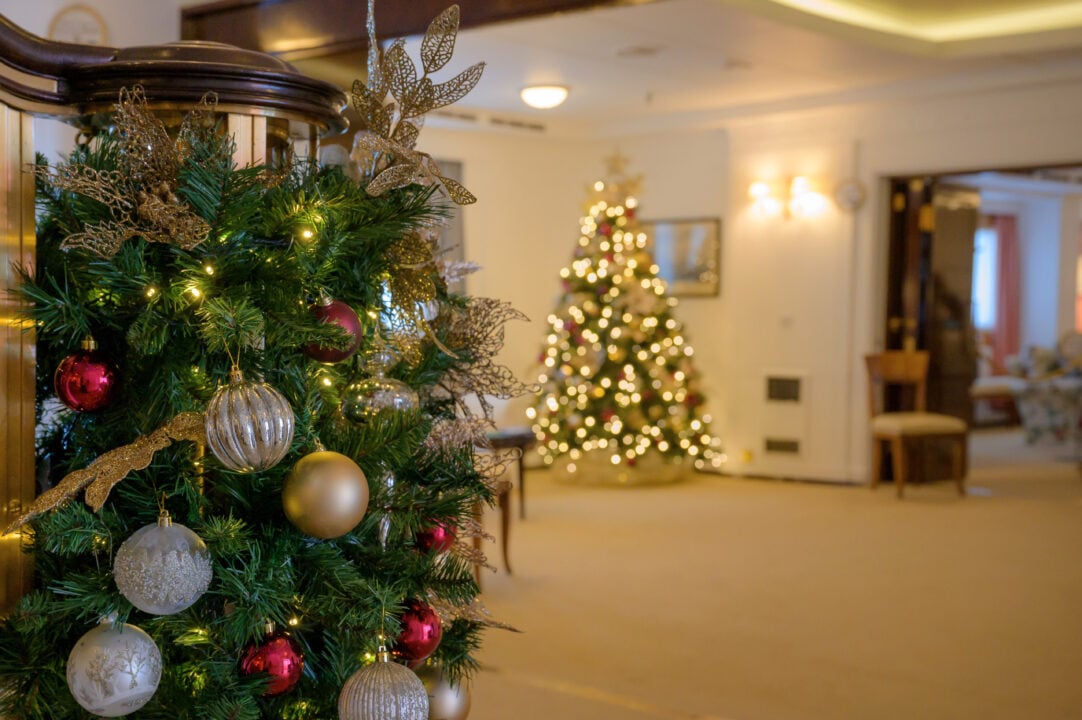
[[420, 635], [437, 538], [342, 315], [278, 656], [85, 381]]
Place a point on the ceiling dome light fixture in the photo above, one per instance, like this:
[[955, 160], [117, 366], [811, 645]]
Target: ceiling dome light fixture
[[544, 97]]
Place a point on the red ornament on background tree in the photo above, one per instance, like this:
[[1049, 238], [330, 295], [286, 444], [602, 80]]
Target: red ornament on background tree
[[278, 656], [437, 538], [420, 634], [337, 312], [85, 381]]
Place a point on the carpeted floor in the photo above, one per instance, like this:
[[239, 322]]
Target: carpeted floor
[[737, 599]]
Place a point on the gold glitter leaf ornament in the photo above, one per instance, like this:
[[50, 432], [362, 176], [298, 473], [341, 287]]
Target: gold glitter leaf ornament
[[393, 102], [439, 42], [140, 194]]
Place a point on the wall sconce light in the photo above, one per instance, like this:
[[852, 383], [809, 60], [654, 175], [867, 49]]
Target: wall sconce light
[[543, 97], [799, 197], [764, 203]]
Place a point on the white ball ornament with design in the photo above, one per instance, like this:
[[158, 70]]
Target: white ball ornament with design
[[114, 669], [383, 690], [249, 425], [162, 568]]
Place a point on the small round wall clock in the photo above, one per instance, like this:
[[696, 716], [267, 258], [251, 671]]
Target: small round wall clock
[[79, 24]]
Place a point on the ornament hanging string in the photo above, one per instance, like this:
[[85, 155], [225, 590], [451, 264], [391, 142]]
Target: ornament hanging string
[[102, 474]]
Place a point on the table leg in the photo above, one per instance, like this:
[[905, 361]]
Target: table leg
[[521, 487], [505, 522]]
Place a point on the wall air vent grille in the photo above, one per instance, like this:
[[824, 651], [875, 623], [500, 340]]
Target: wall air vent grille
[[516, 124], [782, 445], [783, 389]]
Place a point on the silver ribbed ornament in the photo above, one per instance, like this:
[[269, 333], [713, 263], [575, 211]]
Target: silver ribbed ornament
[[383, 690], [249, 424], [162, 568], [114, 669]]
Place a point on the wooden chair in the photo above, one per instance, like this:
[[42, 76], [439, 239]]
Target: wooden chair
[[906, 430]]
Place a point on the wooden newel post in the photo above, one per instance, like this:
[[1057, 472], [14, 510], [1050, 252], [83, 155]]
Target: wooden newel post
[[267, 105]]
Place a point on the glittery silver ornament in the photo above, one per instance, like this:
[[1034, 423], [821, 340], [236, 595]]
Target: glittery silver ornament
[[114, 669], [249, 424], [162, 568], [365, 399], [383, 690], [446, 701]]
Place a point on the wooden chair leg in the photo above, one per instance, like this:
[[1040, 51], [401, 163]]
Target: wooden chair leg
[[877, 462], [961, 463], [900, 463]]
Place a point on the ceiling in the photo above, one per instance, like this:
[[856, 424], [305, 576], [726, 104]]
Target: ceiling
[[648, 66]]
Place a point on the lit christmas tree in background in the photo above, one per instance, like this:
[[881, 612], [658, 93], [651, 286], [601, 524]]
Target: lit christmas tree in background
[[259, 378], [618, 380]]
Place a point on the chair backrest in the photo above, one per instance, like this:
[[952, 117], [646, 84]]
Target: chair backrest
[[907, 368]]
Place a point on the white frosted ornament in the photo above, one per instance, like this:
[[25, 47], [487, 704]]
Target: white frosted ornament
[[382, 691], [249, 425], [114, 669], [162, 568]]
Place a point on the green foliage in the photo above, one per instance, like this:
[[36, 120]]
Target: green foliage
[[173, 321]]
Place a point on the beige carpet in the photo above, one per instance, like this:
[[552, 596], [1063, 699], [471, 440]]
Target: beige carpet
[[736, 599]]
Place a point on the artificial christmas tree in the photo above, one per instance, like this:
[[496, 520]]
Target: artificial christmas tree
[[198, 280], [621, 398]]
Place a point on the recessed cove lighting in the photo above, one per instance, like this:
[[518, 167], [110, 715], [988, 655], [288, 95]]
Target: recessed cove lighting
[[544, 97]]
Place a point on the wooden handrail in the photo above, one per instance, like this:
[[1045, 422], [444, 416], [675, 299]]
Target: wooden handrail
[[80, 82]]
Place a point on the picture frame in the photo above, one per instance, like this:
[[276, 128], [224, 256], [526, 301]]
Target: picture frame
[[687, 253]]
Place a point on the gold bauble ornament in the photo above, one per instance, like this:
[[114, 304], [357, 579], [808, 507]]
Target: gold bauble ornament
[[446, 701], [325, 495]]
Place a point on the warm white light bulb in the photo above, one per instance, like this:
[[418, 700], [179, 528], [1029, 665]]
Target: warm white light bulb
[[544, 97]]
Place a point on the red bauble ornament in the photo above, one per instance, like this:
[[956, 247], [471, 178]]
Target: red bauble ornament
[[421, 633], [278, 656], [342, 315], [438, 538], [85, 381]]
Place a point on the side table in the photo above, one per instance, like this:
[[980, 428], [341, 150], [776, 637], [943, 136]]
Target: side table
[[523, 439]]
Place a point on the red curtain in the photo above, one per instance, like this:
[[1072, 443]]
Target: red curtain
[[1008, 291]]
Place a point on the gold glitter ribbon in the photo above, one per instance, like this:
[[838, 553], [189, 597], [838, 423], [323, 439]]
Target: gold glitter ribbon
[[101, 475]]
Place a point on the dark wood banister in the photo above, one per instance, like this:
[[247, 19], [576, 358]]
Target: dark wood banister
[[80, 81]]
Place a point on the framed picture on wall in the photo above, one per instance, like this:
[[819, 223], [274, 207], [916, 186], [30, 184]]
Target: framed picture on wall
[[688, 254]]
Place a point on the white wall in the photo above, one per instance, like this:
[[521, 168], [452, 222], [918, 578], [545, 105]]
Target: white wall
[[797, 296], [523, 228]]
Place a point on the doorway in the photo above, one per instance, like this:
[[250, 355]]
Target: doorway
[[950, 270]]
